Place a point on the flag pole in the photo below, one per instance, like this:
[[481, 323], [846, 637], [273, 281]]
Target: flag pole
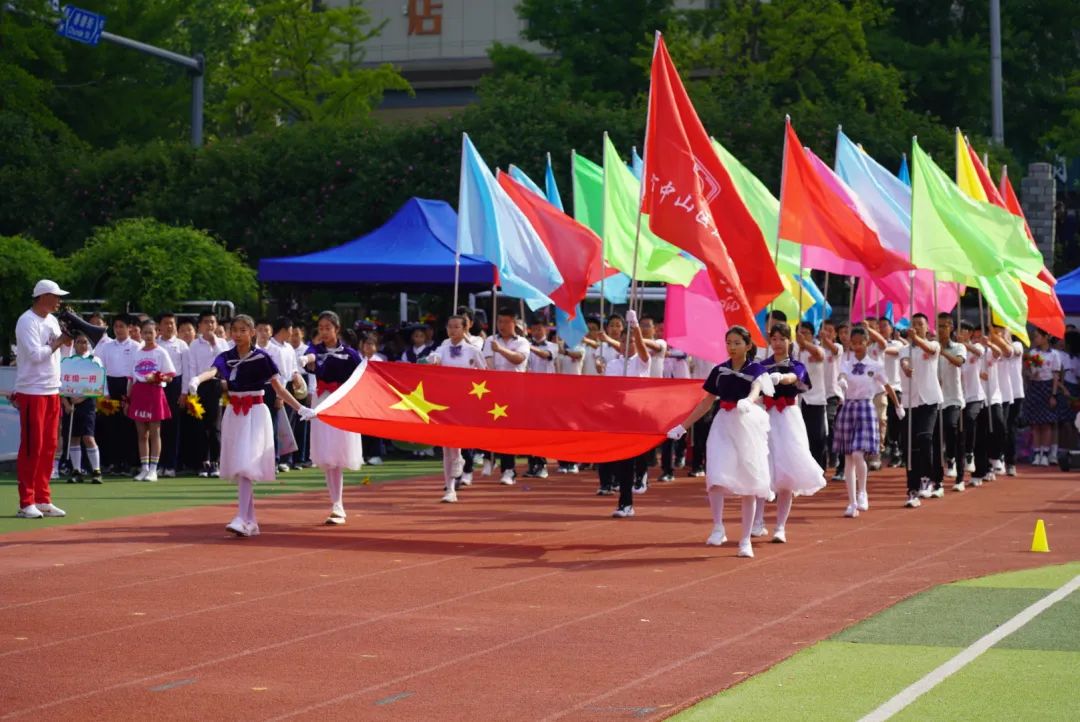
[[911, 284], [823, 311], [984, 331], [776, 245], [457, 240], [940, 414], [911, 316]]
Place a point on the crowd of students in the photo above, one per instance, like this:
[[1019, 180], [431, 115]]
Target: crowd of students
[[946, 402]]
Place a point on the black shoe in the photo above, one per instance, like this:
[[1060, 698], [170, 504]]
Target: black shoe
[[605, 491], [96, 478]]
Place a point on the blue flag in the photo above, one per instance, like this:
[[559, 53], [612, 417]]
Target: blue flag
[[637, 165], [520, 176], [905, 172], [553, 196]]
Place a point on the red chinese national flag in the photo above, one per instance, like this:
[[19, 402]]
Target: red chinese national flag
[[693, 204], [586, 418], [812, 213], [573, 246]]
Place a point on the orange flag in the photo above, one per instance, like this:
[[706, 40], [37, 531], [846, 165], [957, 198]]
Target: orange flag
[[587, 418], [692, 202]]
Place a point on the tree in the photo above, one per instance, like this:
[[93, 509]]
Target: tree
[[303, 63], [25, 263], [141, 264]]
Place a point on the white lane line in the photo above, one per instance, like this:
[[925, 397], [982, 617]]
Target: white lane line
[[954, 665]]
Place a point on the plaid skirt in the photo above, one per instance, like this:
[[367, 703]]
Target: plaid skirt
[[856, 428], [1037, 403]]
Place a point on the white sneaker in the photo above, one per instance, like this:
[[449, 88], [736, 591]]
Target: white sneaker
[[253, 528], [925, 490], [779, 537], [507, 477], [990, 476], [950, 472], [975, 481], [718, 537], [999, 466], [643, 486], [623, 512], [745, 550], [541, 473], [375, 460], [337, 515], [168, 473], [938, 493], [450, 497], [1010, 470], [150, 476], [862, 501], [29, 512], [141, 476], [486, 469], [958, 486], [969, 465], [55, 473], [574, 469], [913, 501], [759, 531], [282, 468], [852, 511], [239, 527], [466, 479], [51, 510]]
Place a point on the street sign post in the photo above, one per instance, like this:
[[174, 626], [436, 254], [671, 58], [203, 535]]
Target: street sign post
[[81, 25]]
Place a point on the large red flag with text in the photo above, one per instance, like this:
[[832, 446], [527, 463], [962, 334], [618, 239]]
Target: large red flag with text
[[586, 418], [692, 202], [1044, 309]]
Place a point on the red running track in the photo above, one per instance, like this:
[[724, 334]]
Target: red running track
[[523, 603]]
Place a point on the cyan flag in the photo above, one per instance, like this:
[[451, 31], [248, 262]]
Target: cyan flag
[[520, 176], [884, 197], [553, 196], [616, 288], [820, 310], [490, 225], [905, 172], [637, 165]]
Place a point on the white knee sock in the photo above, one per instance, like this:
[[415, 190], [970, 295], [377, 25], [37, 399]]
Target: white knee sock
[[245, 500], [716, 504], [749, 510], [759, 514], [75, 454], [448, 461], [861, 470], [335, 481], [94, 455], [783, 508]]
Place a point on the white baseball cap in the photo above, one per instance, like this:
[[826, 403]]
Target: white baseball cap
[[46, 286]]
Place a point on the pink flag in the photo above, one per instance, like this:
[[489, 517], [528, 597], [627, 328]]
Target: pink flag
[[694, 319], [873, 295]]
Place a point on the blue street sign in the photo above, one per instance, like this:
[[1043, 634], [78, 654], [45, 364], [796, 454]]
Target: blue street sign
[[81, 25]]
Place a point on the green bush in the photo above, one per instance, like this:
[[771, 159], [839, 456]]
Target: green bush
[[24, 263]]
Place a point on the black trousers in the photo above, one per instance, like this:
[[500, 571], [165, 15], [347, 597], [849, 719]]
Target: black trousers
[[895, 429], [701, 436], [119, 447], [170, 428], [832, 406], [506, 462], [947, 433], [669, 451], [536, 463], [814, 418], [1012, 424], [922, 445], [210, 441], [996, 439], [621, 474], [981, 447]]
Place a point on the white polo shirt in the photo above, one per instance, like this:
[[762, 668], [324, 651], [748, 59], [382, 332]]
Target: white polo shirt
[[177, 348], [991, 387], [969, 376], [518, 344], [116, 356], [832, 370], [1016, 370], [460, 355], [538, 365], [923, 387], [656, 359], [952, 391], [815, 396], [565, 364]]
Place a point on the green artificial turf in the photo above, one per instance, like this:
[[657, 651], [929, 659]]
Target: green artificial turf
[[1050, 577], [119, 496]]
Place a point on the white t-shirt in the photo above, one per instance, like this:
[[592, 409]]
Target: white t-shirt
[[656, 359], [1016, 370], [891, 362], [1004, 378], [538, 365], [461, 355], [949, 376], [37, 367], [864, 385], [676, 365], [815, 396], [588, 365], [518, 344], [923, 387], [565, 364], [969, 375], [700, 368], [1044, 364], [117, 356], [149, 361], [832, 370], [991, 387], [616, 362]]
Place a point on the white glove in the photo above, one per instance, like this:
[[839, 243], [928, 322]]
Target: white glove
[[679, 431], [193, 387], [306, 413], [631, 318], [900, 412], [745, 405], [775, 378], [842, 384]]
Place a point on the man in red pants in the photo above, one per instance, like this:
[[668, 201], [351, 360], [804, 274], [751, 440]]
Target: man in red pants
[[37, 395]]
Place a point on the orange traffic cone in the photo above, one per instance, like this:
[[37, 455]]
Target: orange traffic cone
[[1038, 540]]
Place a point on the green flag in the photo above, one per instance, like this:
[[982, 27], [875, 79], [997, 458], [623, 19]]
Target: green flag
[[657, 260], [1007, 299], [960, 237], [588, 180]]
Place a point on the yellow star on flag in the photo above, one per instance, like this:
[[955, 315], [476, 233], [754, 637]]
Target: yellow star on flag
[[415, 402], [498, 411], [479, 389]]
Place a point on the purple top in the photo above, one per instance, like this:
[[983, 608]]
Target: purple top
[[334, 365], [252, 373], [789, 366], [731, 385]]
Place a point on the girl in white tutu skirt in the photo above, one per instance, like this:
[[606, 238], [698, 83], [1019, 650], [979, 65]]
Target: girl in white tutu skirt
[[737, 449], [247, 435], [792, 467]]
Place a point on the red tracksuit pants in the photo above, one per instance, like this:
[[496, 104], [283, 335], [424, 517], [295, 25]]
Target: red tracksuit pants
[[39, 419]]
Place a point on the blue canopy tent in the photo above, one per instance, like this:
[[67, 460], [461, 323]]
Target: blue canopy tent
[[415, 248], [1068, 292]]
